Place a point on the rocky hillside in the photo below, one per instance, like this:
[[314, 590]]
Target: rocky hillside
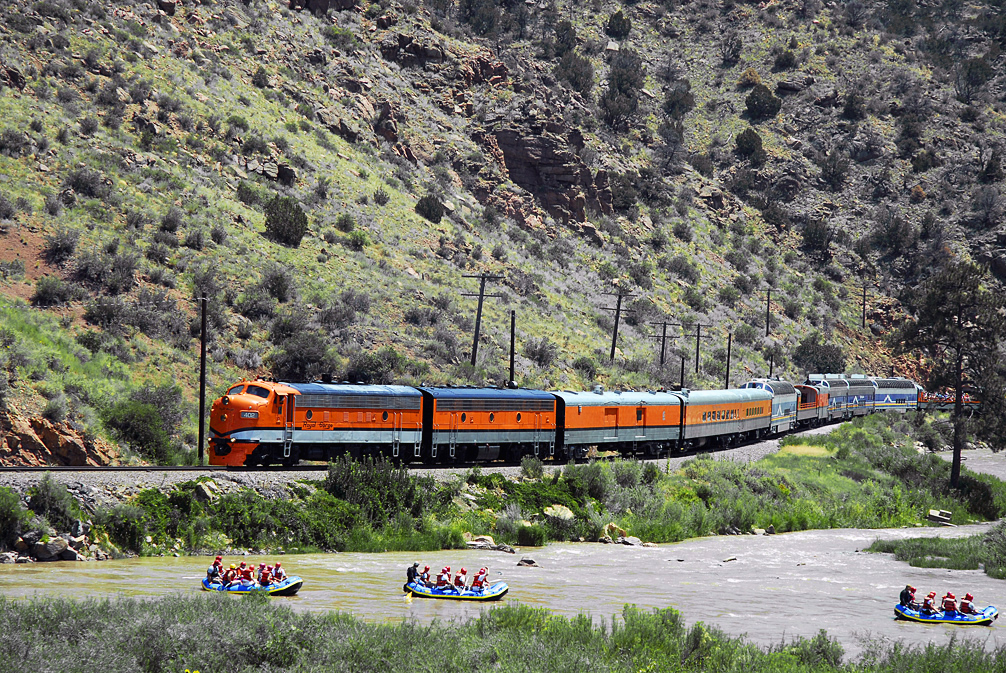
[[331, 173]]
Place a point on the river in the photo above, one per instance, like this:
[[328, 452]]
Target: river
[[776, 586]]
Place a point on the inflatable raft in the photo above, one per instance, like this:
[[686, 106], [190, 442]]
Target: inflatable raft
[[288, 587], [983, 618], [493, 593]]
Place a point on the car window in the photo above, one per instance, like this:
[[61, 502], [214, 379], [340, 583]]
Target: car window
[[235, 390]]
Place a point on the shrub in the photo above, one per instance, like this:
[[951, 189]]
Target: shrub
[[679, 100], [430, 207], [247, 194], [378, 368], [576, 70], [278, 282], [357, 240], [785, 60], [748, 142], [261, 78], [60, 245], [218, 234], [381, 196], [56, 409], [345, 222], [586, 366], [531, 467], [88, 125], [542, 351], [341, 38], [381, 489], [532, 536], [51, 291], [88, 183], [172, 220], [195, 240], [813, 356], [304, 356], [141, 426], [51, 500], [285, 221], [618, 26], [124, 525], [761, 103], [13, 517]]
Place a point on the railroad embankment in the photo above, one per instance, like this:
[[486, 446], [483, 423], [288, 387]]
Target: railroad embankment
[[871, 473]]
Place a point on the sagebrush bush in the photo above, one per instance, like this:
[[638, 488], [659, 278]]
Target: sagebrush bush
[[13, 517], [430, 207], [140, 425], [51, 291], [61, 244], [50, 499]]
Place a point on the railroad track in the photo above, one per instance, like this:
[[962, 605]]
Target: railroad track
[[163, 468]]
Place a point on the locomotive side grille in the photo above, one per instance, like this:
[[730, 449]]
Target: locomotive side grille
[[494, 405], [358, 401]]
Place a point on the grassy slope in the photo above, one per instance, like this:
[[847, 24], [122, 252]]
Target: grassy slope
[[409, 262]]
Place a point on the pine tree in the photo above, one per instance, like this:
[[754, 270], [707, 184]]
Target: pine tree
[[959, 325]]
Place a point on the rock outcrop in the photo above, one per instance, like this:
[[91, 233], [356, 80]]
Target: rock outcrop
[[408, 52], [41, 442], [320, 7], [539, 156]]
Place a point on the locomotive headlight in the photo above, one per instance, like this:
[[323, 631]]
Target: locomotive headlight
[[226, 400], [249, 414], [223, 417]]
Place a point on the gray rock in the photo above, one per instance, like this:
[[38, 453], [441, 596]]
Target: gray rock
[[49, 551], [527, 563], [630, 540], [70, 554], [9, 557]]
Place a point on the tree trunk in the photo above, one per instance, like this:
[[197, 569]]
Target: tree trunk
[[955, 471]]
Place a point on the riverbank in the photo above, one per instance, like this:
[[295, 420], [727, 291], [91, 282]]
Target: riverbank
[[866, 474], [189, 633]]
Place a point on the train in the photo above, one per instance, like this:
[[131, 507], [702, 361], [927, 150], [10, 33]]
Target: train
[[258, 423]]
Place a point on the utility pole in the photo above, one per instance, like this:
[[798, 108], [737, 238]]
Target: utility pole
[[768, 310], [478, 314], [726, 382], [202, 378], [513, 333], [663, 338], [682, 369], [864, 304], [618, 315], [698, 340]]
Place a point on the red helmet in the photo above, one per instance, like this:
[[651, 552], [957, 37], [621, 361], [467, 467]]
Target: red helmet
[[261, 565], [219, 558], [243, 564], [968, 597], [932, 594], [448, 568], [950, 595], [426, 569], [483, 569], [464, 572], [277, 564]]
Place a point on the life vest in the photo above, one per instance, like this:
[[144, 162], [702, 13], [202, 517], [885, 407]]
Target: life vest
[[248, 574], [928, 604], [949, 605], [459, 581], [967, 607], [230, 575], [266, 578], [424, 578], [479, 581], [278, 574], [443, 580]]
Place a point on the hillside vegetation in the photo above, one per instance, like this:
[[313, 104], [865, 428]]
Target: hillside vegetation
[[328, 175]]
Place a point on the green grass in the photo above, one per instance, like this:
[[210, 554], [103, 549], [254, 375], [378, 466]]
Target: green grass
[[220, 633], [987, 550]]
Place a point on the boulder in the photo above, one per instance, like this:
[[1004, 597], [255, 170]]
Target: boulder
[[386, 124], [604, 539], [167, 6], [409, 52], [321, 7], [630, 540], [203, 493], [527, 563], [770, 530], [613, 531], [21, 546], [49, 551], [31, 537], [70, 554], [15, 77], [649, 544], [8, 557]]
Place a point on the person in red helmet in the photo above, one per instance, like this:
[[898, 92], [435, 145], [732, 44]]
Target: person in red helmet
[[949, 603], [247, 574], [461, 580], [968, 605], [258, 573], [265, 578], [278, 574], [443, 579], [929, 604], [424, 577], [479, 582]]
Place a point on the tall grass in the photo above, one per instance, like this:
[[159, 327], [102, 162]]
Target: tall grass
[[224, 634], [966, 553]]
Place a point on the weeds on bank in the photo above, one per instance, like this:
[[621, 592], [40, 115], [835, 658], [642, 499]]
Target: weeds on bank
[[986, 550], [178, 632]]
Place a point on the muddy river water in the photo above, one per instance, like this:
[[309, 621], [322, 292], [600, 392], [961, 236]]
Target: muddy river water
[[774, 586]]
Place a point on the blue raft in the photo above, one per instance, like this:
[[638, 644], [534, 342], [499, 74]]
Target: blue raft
[[288, 587], [493, 593], [983, 618]]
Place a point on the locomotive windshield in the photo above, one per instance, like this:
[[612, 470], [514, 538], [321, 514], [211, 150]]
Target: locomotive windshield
[[235, 390], [258, 391]]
